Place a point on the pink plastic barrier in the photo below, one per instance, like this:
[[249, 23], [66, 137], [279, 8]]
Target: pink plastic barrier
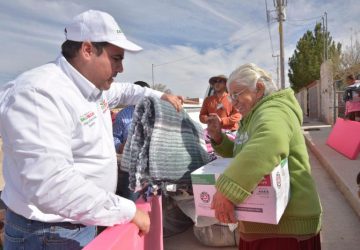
[[352, 106], [126, 236], [345, 138]]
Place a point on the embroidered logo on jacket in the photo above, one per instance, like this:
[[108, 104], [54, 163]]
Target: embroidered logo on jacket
[[88, 118], [104, 105], [241, 138]]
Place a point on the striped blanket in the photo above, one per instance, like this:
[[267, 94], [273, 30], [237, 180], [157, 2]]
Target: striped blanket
[[162, 145]]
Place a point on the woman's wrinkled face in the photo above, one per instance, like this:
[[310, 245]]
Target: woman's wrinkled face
[[244, 98]]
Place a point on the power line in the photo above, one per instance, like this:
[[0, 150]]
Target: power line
[[304, 22], [300, 25], [176, 60], [216, 47], [306, 19], [268, 25], [195, 55]]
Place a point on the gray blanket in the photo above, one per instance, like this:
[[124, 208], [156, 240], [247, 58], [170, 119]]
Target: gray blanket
[[162, 145]]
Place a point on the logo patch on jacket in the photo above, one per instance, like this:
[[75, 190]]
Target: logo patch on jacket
[[88, 118], [241, 138], [104, 105]]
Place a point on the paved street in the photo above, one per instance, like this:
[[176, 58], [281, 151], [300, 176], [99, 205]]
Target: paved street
[[341, 226]]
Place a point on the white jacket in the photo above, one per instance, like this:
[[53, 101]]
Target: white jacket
[[59, 158]]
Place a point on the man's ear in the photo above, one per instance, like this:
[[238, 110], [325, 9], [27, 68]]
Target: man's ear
[[86, 49], [260, 89]]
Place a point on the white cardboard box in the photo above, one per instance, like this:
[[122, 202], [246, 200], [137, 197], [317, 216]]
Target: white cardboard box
[[266, 204]]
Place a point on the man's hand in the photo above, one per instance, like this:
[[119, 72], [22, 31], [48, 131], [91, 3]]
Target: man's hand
[[176, 101], [121, 148], [142, 221], [224, 208], [214, 127]]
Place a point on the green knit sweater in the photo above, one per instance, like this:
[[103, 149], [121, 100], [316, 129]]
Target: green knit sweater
[[268, 134]]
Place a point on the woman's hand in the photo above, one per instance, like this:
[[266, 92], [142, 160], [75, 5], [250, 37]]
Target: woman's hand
[[224, 208], [214, 127]]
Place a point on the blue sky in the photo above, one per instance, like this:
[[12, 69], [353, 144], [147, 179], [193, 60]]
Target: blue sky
[[187, 41]]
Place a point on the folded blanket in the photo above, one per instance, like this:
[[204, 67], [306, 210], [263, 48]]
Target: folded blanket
[[162, 145]]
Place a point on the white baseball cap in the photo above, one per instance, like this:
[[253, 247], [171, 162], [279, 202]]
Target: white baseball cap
[[98, 26]]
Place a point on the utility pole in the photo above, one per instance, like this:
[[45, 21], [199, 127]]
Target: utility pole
[[324, 34], [326, 38], [152, 75], [277, 70], [280, 8]]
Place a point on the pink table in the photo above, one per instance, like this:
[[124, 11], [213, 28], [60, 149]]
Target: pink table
[[345, 138], [126, 236]]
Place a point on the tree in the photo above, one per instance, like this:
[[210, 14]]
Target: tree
[[349, 62], [162, 88], [309, 54]]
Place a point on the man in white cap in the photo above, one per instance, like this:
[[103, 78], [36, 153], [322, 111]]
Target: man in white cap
[[59, 159]]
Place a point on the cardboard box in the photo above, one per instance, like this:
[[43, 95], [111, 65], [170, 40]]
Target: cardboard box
[[266, 204]]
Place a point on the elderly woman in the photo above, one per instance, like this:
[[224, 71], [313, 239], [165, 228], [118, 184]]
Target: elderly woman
[[270, 131]]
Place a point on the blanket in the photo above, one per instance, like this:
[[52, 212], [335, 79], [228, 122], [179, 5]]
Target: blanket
[[162, 145]]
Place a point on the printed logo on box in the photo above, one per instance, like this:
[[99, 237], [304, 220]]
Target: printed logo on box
[[205, 197], [266, 181]]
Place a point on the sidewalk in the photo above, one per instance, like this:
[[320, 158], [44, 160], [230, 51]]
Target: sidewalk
[[341, 169]]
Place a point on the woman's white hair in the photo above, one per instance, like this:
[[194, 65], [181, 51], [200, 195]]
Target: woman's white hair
[[249, 74]]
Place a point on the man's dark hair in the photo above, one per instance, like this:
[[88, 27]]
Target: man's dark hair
[[142, 84], [69, 49]]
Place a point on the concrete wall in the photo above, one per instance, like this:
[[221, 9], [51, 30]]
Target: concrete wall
[[309, 100], [314, 100], [302, 99], [327, 94], [317, 99]]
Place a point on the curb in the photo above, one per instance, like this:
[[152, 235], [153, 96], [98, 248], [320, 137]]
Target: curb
[[353, 200]]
